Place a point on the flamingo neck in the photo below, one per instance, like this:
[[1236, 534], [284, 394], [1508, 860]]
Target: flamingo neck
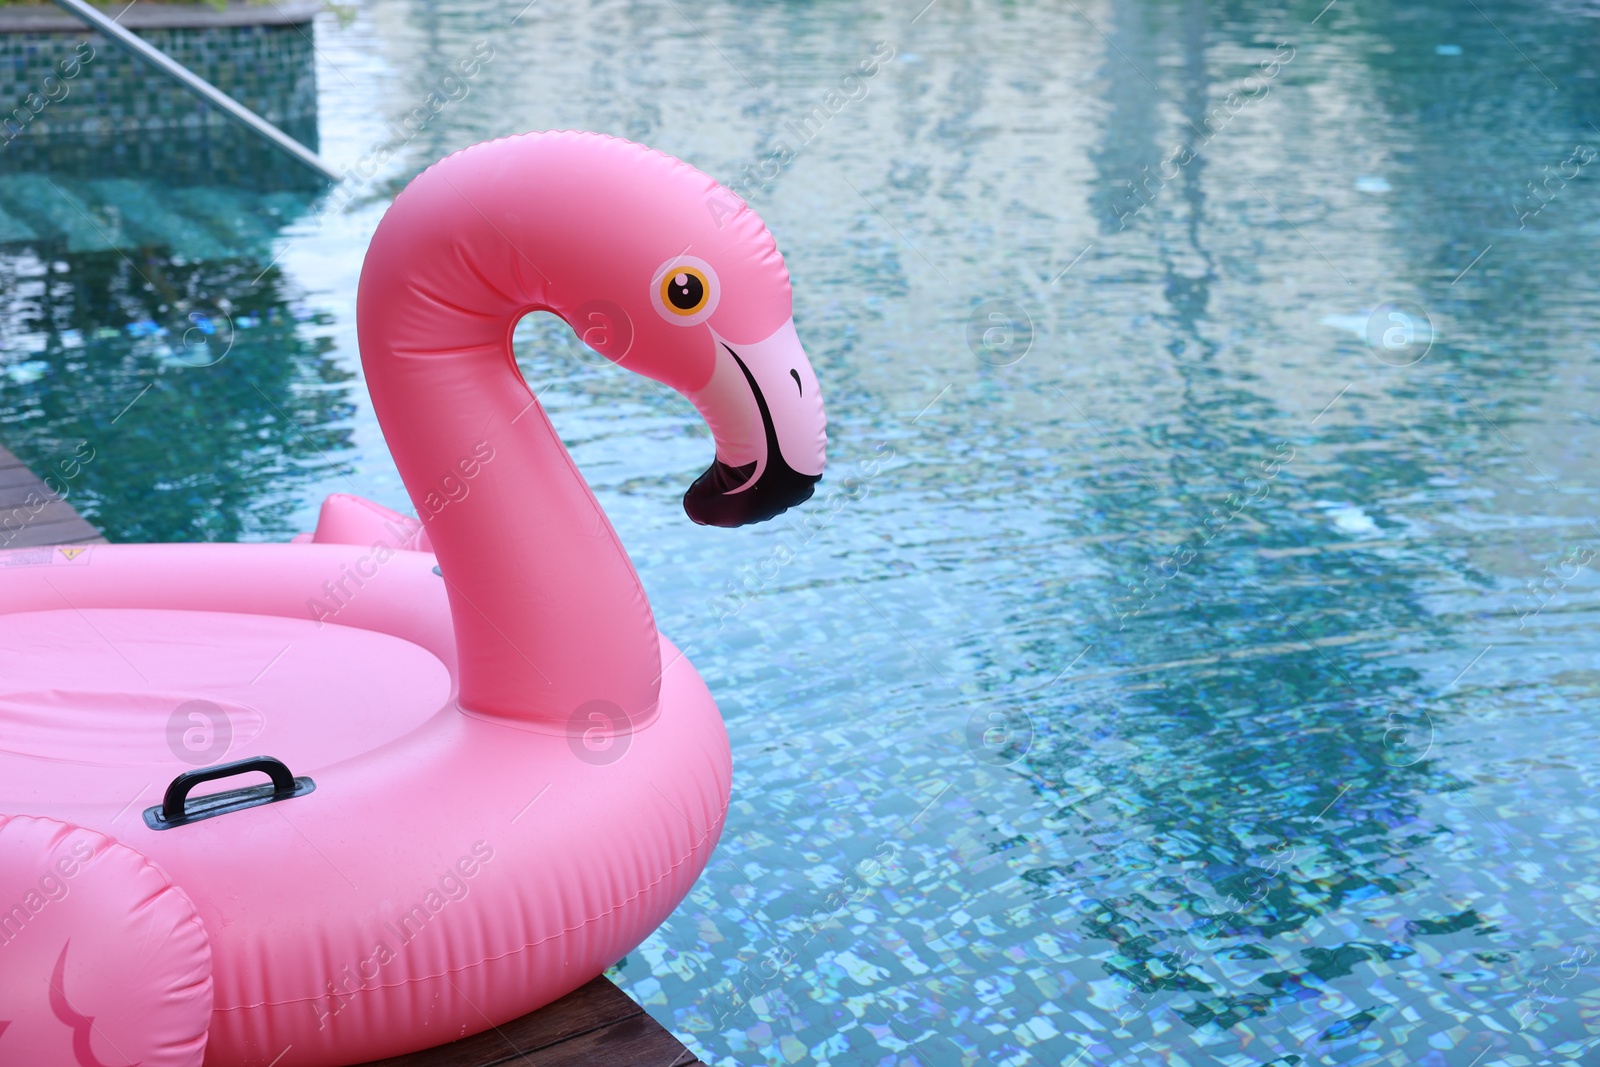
[[548, 611]]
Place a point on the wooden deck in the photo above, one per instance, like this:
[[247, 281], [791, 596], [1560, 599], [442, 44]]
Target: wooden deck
[[596, 1026], [31, 515]]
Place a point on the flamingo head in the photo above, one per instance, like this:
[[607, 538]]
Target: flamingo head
[[702, 302]]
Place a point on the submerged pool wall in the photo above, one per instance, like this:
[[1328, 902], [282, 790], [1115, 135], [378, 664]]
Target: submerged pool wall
[[69, 98]]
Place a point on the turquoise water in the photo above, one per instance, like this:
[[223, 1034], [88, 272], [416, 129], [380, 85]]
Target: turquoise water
[[1202, 669]]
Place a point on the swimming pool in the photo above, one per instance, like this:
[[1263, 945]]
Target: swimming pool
[[1200, 666]]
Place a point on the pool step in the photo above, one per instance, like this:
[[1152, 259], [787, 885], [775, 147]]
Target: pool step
[[596, 1026], [31, 515], [199, 223]]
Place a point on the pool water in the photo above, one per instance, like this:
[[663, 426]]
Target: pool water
[[1200, 666]]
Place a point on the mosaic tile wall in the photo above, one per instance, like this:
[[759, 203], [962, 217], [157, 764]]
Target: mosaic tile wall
[[269, 69]]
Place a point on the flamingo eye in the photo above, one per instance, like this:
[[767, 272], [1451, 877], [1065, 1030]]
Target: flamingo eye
[[684, 290]]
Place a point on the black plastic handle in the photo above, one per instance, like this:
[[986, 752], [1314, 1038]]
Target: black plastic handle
[[175, 809]]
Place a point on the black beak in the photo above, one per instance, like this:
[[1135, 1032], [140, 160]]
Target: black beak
[[709, 501]]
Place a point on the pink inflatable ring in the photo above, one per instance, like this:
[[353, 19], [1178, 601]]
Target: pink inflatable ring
[[487, 780]]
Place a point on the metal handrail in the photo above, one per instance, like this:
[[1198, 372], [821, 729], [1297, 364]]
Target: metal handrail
[[236, 111]]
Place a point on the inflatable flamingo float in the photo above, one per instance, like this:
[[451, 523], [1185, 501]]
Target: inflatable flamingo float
[[487, 781]]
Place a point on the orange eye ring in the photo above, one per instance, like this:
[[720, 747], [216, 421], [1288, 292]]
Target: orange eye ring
[[684, 290]]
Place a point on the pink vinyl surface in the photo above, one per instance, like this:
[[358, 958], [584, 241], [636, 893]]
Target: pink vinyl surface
[[147, 684], [70, 997], [452, 868]]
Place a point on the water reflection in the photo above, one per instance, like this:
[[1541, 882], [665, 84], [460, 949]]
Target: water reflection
[[1262, 786], [187, 371]]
